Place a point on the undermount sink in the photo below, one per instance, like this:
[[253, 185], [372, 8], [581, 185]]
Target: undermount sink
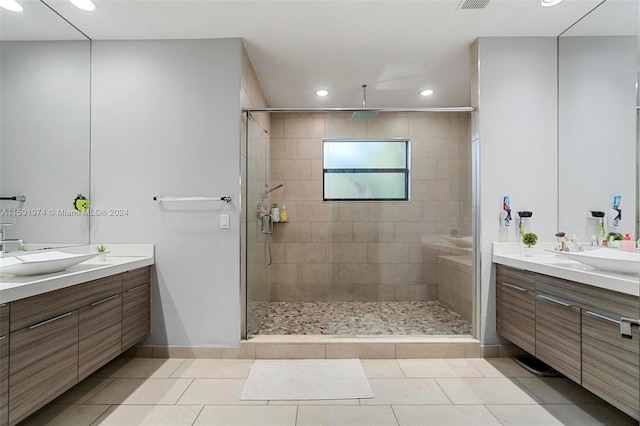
[[607, 259], [41, 263]]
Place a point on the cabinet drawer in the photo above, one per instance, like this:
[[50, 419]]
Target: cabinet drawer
[[611, 364], [136, 315], [523, 279], [589, 297], [29, 311], [4, 319], [100, 334], [516, 315], [558, 335], [44, 363], [136, 277], [4, 380]]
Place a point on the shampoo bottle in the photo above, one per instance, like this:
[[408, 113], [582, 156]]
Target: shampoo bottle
[[283, 214], [275, 213]]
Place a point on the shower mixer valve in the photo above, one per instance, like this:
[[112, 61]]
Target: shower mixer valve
[[266, 223]]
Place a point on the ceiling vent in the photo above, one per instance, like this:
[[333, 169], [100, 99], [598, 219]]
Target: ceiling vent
[[473, 4]]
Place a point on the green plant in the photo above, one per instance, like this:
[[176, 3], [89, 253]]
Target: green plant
[[530, 239], [614, 236], [101, 248]]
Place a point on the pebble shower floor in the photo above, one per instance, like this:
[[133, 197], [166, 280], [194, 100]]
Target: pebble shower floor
[[362, 318]]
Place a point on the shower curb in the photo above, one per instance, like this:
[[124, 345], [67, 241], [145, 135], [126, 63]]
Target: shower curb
[[333, 347]]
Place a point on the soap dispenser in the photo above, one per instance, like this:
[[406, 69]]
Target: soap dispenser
[[627, 244], [561, 242]]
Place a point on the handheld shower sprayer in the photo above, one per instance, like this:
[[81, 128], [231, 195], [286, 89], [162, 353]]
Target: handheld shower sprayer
[[270, 190]]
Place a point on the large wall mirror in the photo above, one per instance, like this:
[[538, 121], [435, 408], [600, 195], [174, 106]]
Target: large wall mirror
[[45, 68], [598, 129]]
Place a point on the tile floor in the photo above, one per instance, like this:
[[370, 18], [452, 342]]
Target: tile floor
[[492, 391]]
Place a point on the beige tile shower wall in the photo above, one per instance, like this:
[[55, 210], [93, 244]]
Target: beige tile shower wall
[[366, 251]]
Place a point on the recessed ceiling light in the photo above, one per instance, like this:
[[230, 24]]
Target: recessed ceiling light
[[427, 92], [11, 5], [322, 92], [84, 5], [549, 3]]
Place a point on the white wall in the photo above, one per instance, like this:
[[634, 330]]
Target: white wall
[[166, 121], [45, 138], [597, 110], [516, 136]]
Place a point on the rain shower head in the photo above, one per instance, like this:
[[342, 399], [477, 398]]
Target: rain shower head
[[364, 113]]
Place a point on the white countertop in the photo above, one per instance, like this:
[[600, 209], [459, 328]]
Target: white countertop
[[121, 258], [543, 262]]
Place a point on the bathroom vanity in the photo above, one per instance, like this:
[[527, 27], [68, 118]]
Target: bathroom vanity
[[568, 316], [57, 329]]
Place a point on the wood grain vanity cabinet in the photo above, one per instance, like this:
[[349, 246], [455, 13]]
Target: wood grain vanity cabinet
[[4, 364], [136, 307], [53, 340], [516, 307], [577, 332]]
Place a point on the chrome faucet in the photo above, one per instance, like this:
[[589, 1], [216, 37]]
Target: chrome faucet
[[4, 241]]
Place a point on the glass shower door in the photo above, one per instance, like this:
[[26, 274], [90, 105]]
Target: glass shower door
[[255, 184]]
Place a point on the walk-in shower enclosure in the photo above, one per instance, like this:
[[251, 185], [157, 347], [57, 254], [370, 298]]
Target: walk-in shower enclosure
[[358, 264]]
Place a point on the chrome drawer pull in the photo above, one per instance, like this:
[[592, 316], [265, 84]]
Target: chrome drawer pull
[[2, 337], [4, 304], [552, 300], [131, 290], [40, 324], [99, 302], [515, 287], [631, 320], [604, 317]]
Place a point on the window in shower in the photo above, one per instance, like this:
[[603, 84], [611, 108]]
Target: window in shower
[[366, 170]]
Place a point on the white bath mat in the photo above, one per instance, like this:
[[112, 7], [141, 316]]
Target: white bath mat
[[306, 379]]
